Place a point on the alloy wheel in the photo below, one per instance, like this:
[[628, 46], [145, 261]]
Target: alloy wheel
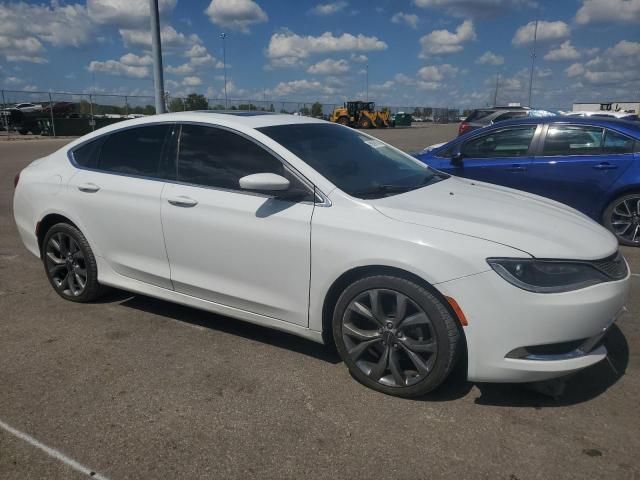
[[389, 337], [66, 264], [625, 219]]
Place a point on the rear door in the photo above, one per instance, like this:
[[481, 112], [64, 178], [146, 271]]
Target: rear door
[[115, 194], [576, 164], [501, 156]]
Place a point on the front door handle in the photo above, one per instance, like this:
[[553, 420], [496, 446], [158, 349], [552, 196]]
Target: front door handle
[[182, 201], [605, 166], [88, 187], [516, 168]]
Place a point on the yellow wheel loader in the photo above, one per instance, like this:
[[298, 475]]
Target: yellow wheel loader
[[358, 114]]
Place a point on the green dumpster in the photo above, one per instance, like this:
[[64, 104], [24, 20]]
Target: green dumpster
[[403, 119]]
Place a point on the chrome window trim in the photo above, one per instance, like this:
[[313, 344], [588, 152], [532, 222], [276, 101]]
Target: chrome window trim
[[322, 200]]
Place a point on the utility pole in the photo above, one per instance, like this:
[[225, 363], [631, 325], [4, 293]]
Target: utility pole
[[156, 48], [495, 94], [533, 60], [223, 36], [367, 80]]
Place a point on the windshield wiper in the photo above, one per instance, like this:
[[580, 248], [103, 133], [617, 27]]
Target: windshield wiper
[[382, 190]]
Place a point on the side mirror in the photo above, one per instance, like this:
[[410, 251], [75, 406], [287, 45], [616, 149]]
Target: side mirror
[[264, 182], [457, 158]]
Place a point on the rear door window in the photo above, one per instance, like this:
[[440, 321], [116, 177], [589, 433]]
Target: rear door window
[[134, 151], [616, 143], [564, 140], [513, 142]]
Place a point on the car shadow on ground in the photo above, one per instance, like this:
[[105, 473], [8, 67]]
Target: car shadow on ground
[[581, 387], [223, 324]]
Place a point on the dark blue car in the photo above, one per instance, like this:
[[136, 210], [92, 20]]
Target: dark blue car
[[591, 164]]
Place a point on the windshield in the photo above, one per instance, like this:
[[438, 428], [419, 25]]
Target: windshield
[[358, 165]]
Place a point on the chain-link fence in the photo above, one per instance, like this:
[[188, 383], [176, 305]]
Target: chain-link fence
[[70, 114]]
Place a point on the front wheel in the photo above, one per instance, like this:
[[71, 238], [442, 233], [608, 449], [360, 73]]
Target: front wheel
[[622, 217], [70, 264], [395, 336]]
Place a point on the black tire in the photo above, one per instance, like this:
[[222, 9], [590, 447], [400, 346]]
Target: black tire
[[75, 249], [343, 121], [364, 123], [622, 218], [442, 329]]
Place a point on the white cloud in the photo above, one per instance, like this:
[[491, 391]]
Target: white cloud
[[565, 51], [574, 70], [287, 48], [191, 81], [625, 48], [133, 59], [324, 9], [235, 14], [286, 89], [359, 58], [546, 31], [200, 57], [117, 68], [125, 13], [410, 19], [184, 69], [490, 58], [443, 41], [30, 88], [329, 67], [13, 81], [601, 11], [25, 27], [169, 36], [436, 73], [474, 8]]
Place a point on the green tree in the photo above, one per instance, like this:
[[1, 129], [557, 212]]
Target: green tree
[[149, 110], [196, 101], [176, 105], [316, 109]]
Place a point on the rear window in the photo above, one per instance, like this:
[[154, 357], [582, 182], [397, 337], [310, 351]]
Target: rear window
[[135, 151], [616, 143], [509, 116], [478, 114]]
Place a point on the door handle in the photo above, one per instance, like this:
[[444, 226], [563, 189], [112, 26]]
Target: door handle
[[88, 187], [182, 201], [605, 166], [516, 168]]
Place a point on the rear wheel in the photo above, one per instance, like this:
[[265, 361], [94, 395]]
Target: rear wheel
[[343, 121], [622, 217], [70, 264], [395, 336]]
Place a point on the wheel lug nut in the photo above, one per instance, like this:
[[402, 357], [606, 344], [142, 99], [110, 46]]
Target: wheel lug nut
[[395, 345]]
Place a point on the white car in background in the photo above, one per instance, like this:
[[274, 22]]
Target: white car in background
[[328, 233], [28, 107]]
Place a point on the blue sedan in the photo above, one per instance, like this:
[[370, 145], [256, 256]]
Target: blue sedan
[[591, 164]]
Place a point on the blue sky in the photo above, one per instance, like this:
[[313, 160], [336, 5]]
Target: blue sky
[[418, 52]]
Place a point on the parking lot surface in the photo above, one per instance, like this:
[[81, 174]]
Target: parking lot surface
[[132, 387]]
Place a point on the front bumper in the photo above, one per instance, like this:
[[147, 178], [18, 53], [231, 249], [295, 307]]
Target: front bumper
[[504, 320]]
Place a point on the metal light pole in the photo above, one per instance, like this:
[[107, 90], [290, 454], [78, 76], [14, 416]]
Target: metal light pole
[[367, 80], [533, 60], [223, 36], [157, 57]]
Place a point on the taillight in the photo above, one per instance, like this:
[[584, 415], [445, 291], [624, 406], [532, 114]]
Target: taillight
[[16, 179], [464, 127]]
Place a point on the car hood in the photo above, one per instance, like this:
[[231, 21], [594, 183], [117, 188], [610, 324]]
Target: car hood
[[538, 226]]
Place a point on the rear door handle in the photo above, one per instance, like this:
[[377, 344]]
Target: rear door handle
[[516, 168], [88, 187], [182, 201], [605, 166]]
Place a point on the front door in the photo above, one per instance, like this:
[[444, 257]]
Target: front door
[[240, 249], [500, 156]]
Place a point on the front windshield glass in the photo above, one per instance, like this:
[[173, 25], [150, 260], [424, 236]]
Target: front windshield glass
[[358, 165]]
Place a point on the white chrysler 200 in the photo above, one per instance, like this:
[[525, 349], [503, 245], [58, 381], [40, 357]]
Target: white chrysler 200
[[325, 232]]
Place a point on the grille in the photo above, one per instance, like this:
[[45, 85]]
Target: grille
[[614, 266]]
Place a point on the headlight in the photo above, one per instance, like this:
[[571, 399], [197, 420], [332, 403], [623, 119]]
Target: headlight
[[547, 276]]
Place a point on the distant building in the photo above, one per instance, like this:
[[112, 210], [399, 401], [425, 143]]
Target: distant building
[[628, 107]]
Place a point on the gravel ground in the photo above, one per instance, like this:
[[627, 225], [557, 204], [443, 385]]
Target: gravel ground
[[133, 387]]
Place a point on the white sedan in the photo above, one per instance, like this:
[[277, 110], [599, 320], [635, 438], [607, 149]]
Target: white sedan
[[328, 233]]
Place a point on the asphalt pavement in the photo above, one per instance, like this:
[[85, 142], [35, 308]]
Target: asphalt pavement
[[131, 387]]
